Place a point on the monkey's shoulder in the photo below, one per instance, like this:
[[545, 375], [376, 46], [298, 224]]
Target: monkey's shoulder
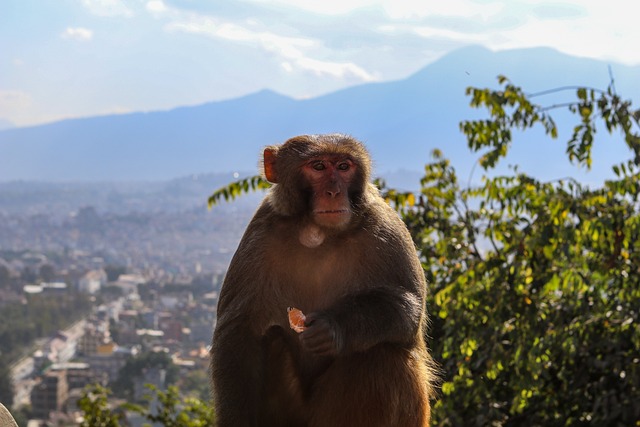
[[383, 221]]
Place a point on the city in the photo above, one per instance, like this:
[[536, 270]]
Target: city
[[136, 291]]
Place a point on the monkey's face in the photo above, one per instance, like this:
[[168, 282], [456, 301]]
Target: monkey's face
[[329, 179]]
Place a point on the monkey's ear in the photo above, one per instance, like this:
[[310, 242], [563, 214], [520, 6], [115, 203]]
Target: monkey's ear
[[269, 163]]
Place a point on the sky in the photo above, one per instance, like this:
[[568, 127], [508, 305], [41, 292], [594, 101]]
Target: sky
[[78, 58]]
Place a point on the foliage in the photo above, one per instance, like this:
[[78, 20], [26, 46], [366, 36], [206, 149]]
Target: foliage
[[535, 285], [235, 189], [198, 382], [165, 408], [40, 316], [6, 384], [95, 409], [174, 411], [22, 415], [5, 277], [135, 367]]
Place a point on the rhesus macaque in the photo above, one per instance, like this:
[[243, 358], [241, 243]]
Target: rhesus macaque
[[325, 242]]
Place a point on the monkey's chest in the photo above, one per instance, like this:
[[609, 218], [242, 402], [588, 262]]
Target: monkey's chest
[[312, 279]]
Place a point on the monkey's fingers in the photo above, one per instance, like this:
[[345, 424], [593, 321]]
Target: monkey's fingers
[[319, 338], [319, 346]]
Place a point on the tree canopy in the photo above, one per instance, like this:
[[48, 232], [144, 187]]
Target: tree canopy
[[534, 285]]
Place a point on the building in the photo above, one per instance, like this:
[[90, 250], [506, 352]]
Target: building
[[129, 283], [92, 281], [53, 288], [109, 359], [171, 327], [59, 348], [50, 395], [79, 375], [92, 338]]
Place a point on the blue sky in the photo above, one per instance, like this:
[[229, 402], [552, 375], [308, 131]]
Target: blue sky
[[77, 58]]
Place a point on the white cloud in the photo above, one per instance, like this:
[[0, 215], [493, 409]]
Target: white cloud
[[78, 33], [109, 8], [559, 35], [445, 34], [287, 67], [394, 9], [407, 9], [156, 7], [589, 28], [335, 69], [325, 7], [610, 31], [294, 51], [13, 103]]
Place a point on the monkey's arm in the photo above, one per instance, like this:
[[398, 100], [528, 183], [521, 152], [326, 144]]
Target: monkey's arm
[[360, 321], [236, 370], [236, 357]]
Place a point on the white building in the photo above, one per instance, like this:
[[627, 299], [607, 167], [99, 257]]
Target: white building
[[92, 281]]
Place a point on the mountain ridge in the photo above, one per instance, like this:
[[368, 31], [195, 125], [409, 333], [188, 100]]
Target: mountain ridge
[[401, 121]]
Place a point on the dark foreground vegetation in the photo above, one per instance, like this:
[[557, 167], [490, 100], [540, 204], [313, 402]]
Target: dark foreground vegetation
[[535, 286]]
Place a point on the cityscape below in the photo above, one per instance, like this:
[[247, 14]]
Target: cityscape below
[[109, 295]]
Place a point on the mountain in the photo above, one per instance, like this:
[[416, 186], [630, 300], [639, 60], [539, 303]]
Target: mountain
[[400, 121]]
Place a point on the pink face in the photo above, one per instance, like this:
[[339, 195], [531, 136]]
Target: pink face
[[330, 178]]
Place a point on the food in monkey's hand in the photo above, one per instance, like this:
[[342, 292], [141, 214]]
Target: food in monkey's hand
[[296, 319]]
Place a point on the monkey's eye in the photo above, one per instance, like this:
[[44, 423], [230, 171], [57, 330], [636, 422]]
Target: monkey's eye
[[319, 166], [344, 166]]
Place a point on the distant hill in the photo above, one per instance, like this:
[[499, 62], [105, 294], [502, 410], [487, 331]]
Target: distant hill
[[57, 200], [401, 122]]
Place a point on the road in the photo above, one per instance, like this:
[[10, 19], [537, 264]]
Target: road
[[22, 371]]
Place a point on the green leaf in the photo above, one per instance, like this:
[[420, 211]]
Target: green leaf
[[235, 189]]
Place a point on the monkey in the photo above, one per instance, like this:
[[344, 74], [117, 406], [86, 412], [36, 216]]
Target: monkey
[[325, 241]]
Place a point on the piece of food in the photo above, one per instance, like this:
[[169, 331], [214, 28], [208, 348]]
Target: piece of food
[[296, 319]]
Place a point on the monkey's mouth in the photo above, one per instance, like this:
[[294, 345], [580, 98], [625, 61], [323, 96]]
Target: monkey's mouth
[[332, 212], [332, 218]]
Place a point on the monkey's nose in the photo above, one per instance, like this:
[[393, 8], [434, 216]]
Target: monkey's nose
[[333, 193]]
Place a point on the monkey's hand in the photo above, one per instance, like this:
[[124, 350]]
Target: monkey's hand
[[321, 336]]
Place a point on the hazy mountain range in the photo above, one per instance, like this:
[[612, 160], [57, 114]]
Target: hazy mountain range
[[400, 121]]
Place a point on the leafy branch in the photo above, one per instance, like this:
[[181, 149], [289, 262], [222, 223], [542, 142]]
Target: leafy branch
[[510, 108], [238, 188]]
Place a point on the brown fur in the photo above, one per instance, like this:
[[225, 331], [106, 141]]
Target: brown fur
[[362, 361]]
